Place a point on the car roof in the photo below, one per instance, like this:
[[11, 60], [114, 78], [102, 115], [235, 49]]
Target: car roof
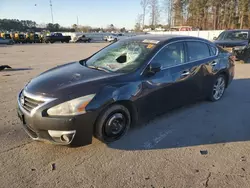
[[247, 30], [164, 38]]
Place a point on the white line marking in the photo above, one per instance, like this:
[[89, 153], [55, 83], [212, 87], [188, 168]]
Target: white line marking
[[152, 143]]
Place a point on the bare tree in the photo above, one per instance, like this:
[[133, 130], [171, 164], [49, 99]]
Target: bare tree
[[154, 12], [144, 5], [139, 25], [167, 6]]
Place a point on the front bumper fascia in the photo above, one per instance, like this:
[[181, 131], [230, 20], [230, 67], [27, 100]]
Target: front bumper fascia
[[39, 126]]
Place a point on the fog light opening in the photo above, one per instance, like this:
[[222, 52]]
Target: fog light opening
[[65, 138], [62, 137]]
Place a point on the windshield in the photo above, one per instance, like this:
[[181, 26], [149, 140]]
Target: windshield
[[233, 35], [122, 56]]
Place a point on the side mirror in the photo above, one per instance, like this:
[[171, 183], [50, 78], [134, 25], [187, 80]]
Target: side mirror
[[154, 68], [215, 38]]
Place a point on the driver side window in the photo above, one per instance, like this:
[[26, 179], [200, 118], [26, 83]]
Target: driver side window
[[171, 55]]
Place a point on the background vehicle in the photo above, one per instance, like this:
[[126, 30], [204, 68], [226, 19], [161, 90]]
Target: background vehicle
[[5, 35], [183, 28], [83, 38], [57, 37], [6, 41], [32, 38], [107, 93], [18, 37], [105, 38], [236, 42], [115, 37]]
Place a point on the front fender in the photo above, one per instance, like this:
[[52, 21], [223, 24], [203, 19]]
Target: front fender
[[115, 93]]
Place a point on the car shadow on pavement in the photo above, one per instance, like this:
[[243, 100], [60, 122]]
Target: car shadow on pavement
[[198, 124]]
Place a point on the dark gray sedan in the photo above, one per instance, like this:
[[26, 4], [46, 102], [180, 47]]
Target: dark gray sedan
[[6, 41], [125, 82]]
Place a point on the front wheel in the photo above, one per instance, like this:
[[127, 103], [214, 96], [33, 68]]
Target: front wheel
[[11, 42], [113, 123], [218, 89]]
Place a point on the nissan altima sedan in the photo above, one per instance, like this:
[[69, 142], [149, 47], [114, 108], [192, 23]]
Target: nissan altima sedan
[[108, 92]]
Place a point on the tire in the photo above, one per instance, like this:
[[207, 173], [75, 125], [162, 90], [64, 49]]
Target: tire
[[67, 41], [115, 40], [113, 123], [11, 43], [220, 82]]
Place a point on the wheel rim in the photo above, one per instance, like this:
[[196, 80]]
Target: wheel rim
[[219, 88], [115, 125]]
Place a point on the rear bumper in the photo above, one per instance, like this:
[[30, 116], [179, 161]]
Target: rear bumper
[[57, 130]]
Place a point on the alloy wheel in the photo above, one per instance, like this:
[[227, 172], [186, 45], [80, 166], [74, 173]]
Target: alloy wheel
[[219, 88]]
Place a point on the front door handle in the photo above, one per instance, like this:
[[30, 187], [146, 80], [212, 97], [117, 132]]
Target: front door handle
[[185, 73], [214, 63]]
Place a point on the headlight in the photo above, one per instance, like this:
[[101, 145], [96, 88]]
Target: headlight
[[240, 47], [72, 107]]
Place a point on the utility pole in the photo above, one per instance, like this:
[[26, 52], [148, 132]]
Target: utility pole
[[77, 20], [50, 3]]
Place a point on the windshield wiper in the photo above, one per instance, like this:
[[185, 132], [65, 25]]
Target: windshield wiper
[[97, 68]]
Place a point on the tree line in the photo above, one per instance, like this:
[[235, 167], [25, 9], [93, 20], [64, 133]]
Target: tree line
[[13, 25], [205, 14]]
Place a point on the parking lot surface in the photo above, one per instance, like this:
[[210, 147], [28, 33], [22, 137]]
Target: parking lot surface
[[200, 145]]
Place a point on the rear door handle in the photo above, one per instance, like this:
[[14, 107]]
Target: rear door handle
[[185, 73], [214, 63]]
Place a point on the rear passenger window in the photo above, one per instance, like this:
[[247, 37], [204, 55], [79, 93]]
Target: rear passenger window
[[197, 51]]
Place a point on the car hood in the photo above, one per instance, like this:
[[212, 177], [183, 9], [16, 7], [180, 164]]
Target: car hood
[[68, 79], [231, 43]]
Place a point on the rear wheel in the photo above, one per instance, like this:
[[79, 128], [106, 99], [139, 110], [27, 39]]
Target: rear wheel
[[113, 123], [218, 89]]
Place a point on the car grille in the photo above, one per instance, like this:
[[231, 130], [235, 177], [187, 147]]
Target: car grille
[[29, 103]]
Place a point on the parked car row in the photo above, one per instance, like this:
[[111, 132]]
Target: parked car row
[[11, 38], [123, 83]]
